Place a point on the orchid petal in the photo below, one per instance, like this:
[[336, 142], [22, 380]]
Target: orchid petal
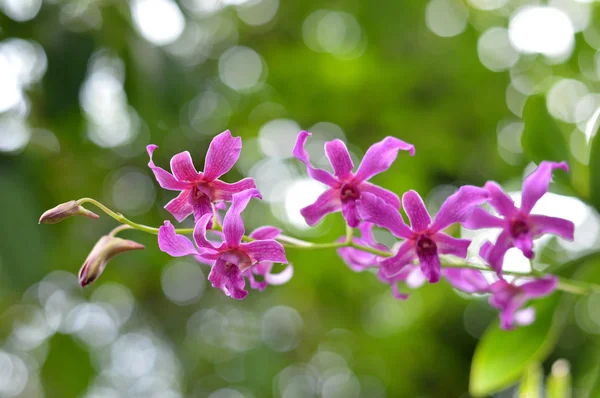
[[536, 184], [430, 265], [540, 287], [180, 207], [467, 280], [459, 206], [300, 153], [183, 168], [202, 205], [495, 255], [499, 200], [447, 244], [228, 278], [416, 211], [223, 151], [551, 225], [524, 242], [164, 178], [403, 257], [233, 225], [366, 233], [266, 232], [200, 233], [389, 197], [482, 219], [264, 250], [224, 191], [280, 278], [340, 160], [350, 213], [254, 284], [375, 210], [173, 244], [328, 202], [380, 156]]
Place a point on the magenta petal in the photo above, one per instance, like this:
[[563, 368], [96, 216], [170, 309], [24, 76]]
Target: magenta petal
[[524, 242], [551, 225], [536, 184], [397, 294], [416, 211], [233, 225], [173, 244], [266, 232], [328, 202], [446, 244], [389, 197], [224, 191], [482, 219], [380, 156], [431, 267], [403, 257], [280, 278], [202, 206], [500, 201], [200, 232], [183, 168], [350, 213], [228, 278], [164, 178], [366, 233], [467, 280], [459, 206], [340, 160], [254, 284], [300, 153], [495, 255], [540, 287], [264, 250], [375, 210], [357, 260], [223, 151], [180, 207]]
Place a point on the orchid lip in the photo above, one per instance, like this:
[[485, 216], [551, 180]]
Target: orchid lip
[[518, 227], [237, 258], [349, 191], [426, 246]]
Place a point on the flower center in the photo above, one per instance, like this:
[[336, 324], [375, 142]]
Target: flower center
[[236, 258], [426, 246], [518, 227], [349, 191]]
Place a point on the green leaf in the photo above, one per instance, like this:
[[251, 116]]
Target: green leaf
[[531, 386], [502, 357], [542, 138], [595, 171]]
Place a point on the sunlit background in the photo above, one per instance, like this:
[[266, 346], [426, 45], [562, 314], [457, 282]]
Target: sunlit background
[[86, 85]]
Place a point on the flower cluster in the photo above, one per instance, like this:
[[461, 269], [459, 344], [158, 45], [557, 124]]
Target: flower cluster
[[416, 258]]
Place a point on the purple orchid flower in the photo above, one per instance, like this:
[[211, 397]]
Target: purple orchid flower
[[232, 257], [466, 280], [510, 298], [200, 189], [424, 239], [410, 275], [345, 188], [359, 260], [519, 227], [264, 268]]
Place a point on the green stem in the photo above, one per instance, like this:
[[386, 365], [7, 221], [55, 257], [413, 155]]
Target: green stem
[[566, 285]]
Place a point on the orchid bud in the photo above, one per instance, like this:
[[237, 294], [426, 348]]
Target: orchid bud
[[65, 210], [104, 250]]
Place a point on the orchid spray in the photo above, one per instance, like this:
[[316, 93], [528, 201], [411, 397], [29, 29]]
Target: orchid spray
[[425, 250]]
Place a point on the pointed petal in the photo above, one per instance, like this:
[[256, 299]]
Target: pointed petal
[[536, 184], [223, 151], [431, 267], [180, 207], [482, 219], [183, 168], [416, 211], [228, 278], [233, 225], [340, 160], [446, 244], [380, 156], [223, 191], [459, 206], [467, 280], [173, 244], [397, 294], [389, 197], [500, 201], [300, 153], [366, 233], [202, 206], [328, 202], [264, 250], [200, 233], [350, 213], [403, 257], [375, 210], [280, 278], [266, 232], [254, 284], [495, 255], [540, 287], [164, 178], [357, 260], [551, 225], [524, 242]]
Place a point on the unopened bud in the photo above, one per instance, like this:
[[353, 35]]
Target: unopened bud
[[104, 250], [65, 210]]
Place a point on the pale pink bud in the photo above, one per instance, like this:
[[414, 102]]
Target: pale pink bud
[[104, 250], [65, 210]]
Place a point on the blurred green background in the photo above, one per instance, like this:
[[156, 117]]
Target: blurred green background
[[86, 85]]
